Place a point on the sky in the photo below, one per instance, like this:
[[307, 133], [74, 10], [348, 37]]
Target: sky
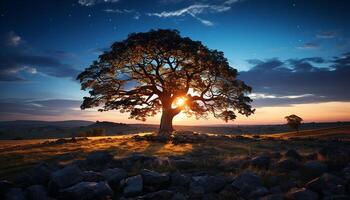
[[294, 53]]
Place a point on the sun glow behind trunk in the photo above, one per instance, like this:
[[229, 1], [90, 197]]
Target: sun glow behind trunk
[[179, 102]]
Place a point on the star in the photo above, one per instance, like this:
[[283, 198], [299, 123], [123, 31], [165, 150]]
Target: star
[[89, 15]]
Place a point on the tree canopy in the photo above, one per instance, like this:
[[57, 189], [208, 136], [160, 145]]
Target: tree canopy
[[294, 121], [147, 73]]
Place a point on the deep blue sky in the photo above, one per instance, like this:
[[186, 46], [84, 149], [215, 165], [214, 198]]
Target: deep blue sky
[[290, 51]]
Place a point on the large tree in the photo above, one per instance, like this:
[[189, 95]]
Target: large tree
[[160, 71]]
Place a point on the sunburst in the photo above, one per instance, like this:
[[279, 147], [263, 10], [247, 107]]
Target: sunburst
[[180, 102]]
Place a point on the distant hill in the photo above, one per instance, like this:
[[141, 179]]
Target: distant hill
[[33, 123], [111, 128], [44, 129], [27, 129]]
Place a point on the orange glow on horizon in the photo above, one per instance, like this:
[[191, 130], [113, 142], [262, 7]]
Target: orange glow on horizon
[[315, 112]]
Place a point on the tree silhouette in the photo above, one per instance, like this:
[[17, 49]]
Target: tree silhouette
[[160, 71], [294, 121]]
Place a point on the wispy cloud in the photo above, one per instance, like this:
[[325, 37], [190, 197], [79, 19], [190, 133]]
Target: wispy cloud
[[203, 21], [308, 46], [94, 2], [136, 14], [195, 10], [270, 96], [121, 11], [10, 73], [229, 2], [15, 70], [326, 34], [12, 39]]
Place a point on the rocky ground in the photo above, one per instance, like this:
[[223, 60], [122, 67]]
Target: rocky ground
[[266, 175]]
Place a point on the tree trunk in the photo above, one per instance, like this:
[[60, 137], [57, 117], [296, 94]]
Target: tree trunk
[[166, 122]]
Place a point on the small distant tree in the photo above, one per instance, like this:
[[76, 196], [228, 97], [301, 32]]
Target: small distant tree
[[294, 122], [161, 71]]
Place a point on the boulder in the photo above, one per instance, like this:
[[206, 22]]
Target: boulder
[[154, 178], [91, 176], [178, 196], [65, 177], [272, 179], [291, 153], [38, 192], [99, 157], [161, 194], [301, 194], [210, 196], [177, 179], [275, 189], [287, 164], [15, 194], [133, 186], [5, 186], [311, 156], [114, 176], [182, 163], [288, 185], [275, 155], [230, 192], [208, 183], [273, 197], [314, 168], [346, 173], [196, 192], [337, 197], [87, 191], [163, 138], [258, 192], [40, 174], [135, 159], [335, 157], [247, 182], [234, 164], [327, 184], [157, 162], [262, 161], [189, 137]]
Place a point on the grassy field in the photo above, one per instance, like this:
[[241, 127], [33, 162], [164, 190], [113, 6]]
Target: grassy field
[[324, 133], [18, 155]]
